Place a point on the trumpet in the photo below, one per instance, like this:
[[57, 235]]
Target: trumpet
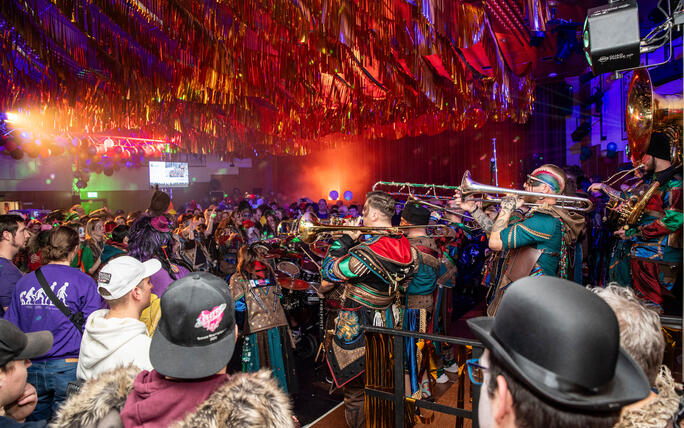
[[309, 229]]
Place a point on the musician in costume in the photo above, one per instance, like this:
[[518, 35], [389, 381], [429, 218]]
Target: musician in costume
[[268, 342], [418, 301], [538, 243], [370, 273], [656, 239]]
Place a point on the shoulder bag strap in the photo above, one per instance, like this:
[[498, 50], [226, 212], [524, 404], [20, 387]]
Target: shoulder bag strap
[[55, 301]]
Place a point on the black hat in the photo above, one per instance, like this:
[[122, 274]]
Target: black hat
[[563, 342], [659, 146], [415, 214], [195, 337], [17, 345], [160, 203]]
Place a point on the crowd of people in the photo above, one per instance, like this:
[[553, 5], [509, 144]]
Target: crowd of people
[[131, 319]]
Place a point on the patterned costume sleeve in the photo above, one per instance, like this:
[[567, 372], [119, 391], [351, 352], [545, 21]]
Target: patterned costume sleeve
[[672, 210], [339, 265], [236, 288], [530, 231]]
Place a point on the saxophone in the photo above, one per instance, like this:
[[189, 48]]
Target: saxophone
[[630, 211]]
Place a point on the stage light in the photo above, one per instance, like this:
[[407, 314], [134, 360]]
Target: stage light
[[611, 37], [334, 195], [11, 117], [348, 195], [582, 131], [48, 181]]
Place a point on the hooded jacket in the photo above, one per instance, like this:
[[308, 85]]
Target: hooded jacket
[[245, 399], [108, 343]]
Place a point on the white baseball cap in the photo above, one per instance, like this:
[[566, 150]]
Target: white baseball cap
[[122, 274]]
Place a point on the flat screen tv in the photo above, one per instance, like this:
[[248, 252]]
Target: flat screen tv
[[169, 174]]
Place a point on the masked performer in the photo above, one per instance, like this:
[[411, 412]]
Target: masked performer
[[267, 337], [370, 272]]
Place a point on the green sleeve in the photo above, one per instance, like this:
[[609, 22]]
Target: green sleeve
[[88, 260], [533, 230]]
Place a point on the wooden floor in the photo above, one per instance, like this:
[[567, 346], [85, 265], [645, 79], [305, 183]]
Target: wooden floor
[[446, 394]]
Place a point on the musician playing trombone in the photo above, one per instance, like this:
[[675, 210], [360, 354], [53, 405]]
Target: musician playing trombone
[[536, 245], [371, 272]]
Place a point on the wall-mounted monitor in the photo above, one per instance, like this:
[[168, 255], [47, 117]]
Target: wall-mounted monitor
[[169, 174]]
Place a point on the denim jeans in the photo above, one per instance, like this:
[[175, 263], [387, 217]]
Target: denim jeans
[[50, 378]]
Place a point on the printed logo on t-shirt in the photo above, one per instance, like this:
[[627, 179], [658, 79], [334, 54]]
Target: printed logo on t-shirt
[[211, 319], [36, 296]]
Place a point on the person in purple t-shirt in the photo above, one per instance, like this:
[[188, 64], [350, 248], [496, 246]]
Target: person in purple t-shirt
[[32, 310], [13, 237]]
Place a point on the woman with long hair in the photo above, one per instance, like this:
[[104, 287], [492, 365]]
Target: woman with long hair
[[151, 238], [32, 309], [95, 240], [268, 342]]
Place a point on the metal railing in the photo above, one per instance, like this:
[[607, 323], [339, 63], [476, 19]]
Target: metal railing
[[398, 396]]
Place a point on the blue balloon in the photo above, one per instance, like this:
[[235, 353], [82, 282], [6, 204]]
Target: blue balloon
[[334, 195], [611, 147], [348, 195]]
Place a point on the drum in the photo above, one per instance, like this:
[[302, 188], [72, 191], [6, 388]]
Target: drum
[[310, 271], [288, 269]]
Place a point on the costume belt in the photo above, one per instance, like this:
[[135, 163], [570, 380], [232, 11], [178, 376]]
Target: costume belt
[[368, 296]]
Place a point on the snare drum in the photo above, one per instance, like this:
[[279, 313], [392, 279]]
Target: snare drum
[[288, 268]]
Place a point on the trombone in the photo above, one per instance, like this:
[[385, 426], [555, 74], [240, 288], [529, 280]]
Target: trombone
[[309, 228], [572, 203], [470, 187]]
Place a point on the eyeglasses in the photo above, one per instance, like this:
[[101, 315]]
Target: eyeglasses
[[534, 181], [475, 371]]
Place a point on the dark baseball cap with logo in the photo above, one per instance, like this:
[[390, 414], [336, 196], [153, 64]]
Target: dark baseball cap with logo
[[195, 337], [17, 345]]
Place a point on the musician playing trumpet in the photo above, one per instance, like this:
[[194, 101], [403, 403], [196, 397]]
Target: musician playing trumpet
[[537, 243], [656, 239]]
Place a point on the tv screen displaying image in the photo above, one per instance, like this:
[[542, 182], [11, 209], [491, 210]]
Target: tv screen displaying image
[[169, 174]]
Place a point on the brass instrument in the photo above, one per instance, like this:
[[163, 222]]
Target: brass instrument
[[573, 203], [646, 112], [309, 228], [441, 192]]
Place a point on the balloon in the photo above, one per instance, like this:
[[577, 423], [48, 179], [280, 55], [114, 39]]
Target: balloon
[[45, 152], [585, 153], [334, 195], [17, 154], [348, 195], [109, 171]]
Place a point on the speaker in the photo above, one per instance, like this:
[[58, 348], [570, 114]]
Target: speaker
[[611, 37]]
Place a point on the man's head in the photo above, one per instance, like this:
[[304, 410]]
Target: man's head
[[125, 282], [13, 233], [415, 215], [195, 337], [353, 210], [641, 333], [78, 209], [545, 179], [120, 234], [378, 209], [553, 358], [16, 348], [657, 156]]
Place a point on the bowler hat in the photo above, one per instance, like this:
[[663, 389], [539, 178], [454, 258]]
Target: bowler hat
[[563, 342]]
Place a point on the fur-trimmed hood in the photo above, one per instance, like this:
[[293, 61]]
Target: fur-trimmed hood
[[246, 399], [97, 398]]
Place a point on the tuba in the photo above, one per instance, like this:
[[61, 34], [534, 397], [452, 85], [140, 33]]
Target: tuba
[[646, 112]]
